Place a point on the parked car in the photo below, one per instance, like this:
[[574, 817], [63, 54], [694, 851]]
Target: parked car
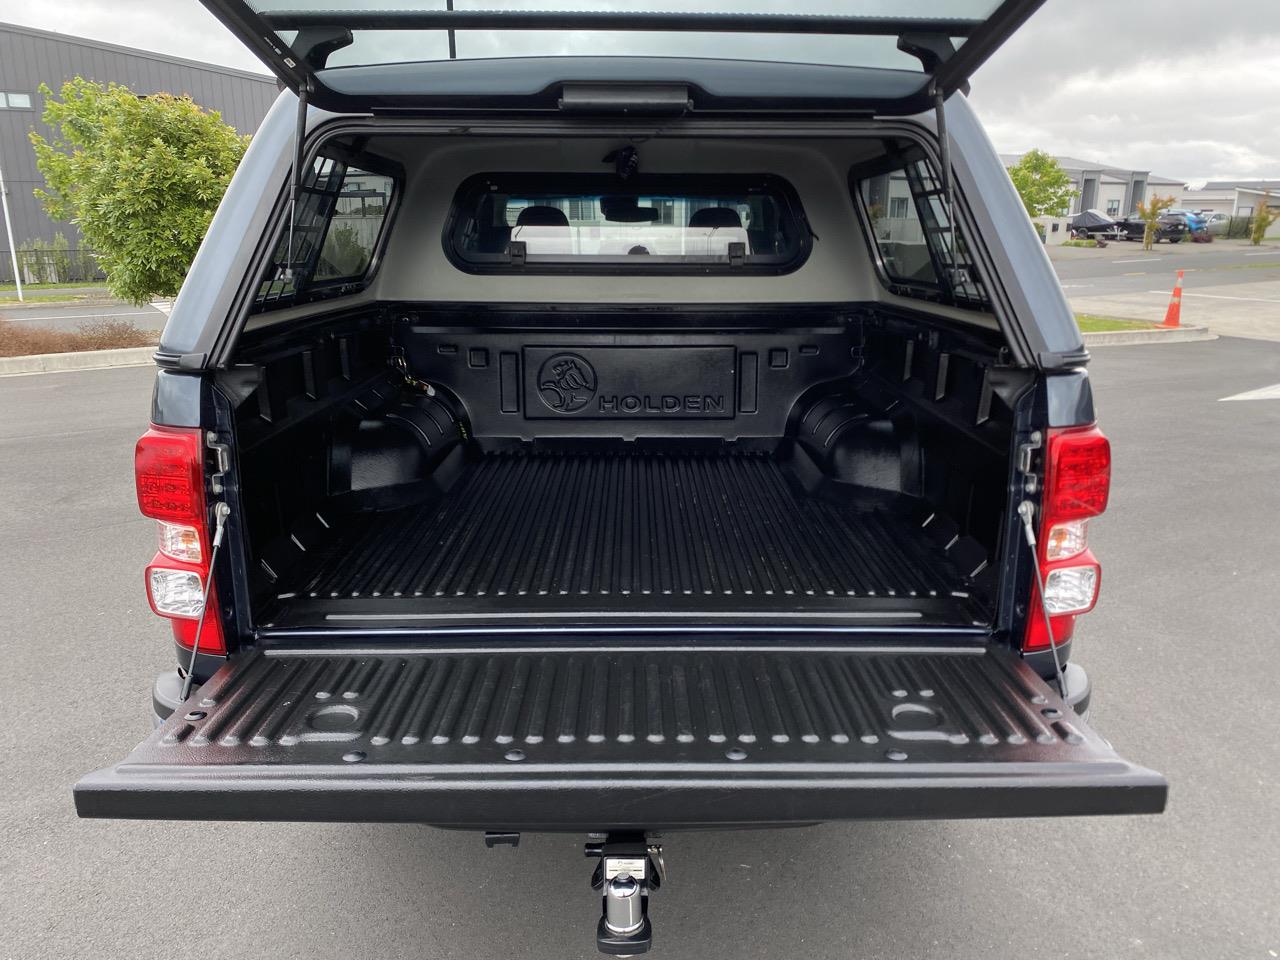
[[1169, 227], [1197, 228], [620, 445], [1217, 223]]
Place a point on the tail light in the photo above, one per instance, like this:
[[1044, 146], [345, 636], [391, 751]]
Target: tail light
[[1077, 483], [169, 468]]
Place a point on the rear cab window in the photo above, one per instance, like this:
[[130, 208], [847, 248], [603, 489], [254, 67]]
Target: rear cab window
[[571, 222]]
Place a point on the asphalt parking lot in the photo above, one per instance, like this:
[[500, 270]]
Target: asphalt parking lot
[[1230, 286], [1183, 652], [71, 315]]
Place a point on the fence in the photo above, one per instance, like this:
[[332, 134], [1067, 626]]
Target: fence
[[1239, 228], [72, 265]]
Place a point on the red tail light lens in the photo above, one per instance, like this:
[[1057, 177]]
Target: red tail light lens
[[167, 466], [169, 470], [1077, 484], [1077, 474]]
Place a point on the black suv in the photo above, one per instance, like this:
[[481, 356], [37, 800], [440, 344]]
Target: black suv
[[1169, 226], [621, 445]]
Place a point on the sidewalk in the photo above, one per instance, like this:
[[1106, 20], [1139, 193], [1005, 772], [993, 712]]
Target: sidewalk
[[1189, 252], [9, 294], [1235, 310]]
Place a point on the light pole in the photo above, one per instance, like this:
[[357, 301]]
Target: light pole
[[8, 229]]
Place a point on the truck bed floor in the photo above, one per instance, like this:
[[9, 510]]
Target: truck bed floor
[[635, 531]]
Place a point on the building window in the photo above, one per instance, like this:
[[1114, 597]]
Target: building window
[[1113, 208], [898, 208], [15, 101]]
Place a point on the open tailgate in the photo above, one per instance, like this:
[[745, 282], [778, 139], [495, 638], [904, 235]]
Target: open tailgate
[[621, 737]]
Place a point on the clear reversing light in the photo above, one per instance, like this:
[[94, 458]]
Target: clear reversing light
[[176, 593], [1071, 589]]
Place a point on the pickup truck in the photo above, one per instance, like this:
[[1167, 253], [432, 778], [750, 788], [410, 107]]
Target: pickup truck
[[621, 445]]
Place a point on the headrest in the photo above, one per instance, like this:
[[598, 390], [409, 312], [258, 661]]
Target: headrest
[[715, 217], [542, 217]]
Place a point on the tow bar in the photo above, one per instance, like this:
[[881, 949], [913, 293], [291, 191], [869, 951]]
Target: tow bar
[[630, 868]]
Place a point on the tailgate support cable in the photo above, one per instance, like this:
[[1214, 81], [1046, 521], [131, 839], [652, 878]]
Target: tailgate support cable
[[1025, 511], [220, 513]]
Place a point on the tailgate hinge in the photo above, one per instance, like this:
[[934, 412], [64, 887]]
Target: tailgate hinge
[[1026, 460], [222, 461]]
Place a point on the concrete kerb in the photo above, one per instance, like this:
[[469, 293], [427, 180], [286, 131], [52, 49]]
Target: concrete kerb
[[83, 360], [1116, 338]]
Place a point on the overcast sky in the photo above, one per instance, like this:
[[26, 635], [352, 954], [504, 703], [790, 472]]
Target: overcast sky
[[1184, 88]]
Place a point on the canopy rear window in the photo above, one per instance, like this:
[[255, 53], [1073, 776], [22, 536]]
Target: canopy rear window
[[575, 222], [360, 54], [388, 34]]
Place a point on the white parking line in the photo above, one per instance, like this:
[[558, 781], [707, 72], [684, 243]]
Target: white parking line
[[1219, 296], [1148, 260], [80, 316], [1264, 253], [1265, 393]]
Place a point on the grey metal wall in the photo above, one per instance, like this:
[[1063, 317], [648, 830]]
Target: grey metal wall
[[30, 57]]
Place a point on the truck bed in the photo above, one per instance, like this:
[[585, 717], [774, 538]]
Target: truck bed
[[659, 533]]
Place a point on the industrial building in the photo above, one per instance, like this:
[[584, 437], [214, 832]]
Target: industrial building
[[31, 57], [1235, 198], [1112, 190]]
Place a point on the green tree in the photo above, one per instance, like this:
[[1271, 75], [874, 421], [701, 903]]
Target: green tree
[[1045, 188], [1149, 210], [1262, 218], [140, 176]]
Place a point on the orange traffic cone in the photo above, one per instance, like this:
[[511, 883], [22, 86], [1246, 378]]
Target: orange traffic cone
[[1173, 316]]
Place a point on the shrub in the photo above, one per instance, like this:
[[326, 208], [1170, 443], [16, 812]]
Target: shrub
[[140, 177], [1262, 219], [1150, 210], [19, 340]]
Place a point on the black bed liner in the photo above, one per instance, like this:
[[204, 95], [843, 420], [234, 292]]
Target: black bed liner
[[658, 533], [614, 736]]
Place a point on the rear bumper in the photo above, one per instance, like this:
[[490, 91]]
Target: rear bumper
[[622, 738]]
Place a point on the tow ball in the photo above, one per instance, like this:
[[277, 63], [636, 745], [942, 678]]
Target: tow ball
[[630, 867]]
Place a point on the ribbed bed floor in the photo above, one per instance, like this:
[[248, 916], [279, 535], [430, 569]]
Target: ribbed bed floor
[[631, 525]]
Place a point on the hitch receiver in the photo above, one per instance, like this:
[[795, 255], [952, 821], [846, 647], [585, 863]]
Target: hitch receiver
[[629, 868]]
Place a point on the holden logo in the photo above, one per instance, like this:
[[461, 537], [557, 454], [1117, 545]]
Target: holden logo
[[566, 382]]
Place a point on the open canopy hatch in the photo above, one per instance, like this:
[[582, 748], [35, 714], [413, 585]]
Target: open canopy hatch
[[359, 59]]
